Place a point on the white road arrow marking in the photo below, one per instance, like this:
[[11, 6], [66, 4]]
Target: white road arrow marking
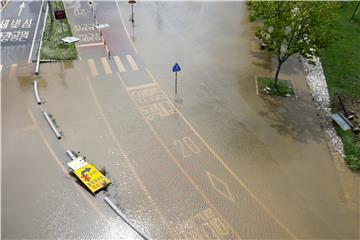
[[21, 8]]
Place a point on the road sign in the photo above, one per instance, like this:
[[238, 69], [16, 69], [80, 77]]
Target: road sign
[[93, 179], [59, 14], [176, 68]]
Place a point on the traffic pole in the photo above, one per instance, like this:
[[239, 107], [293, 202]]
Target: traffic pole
[[62, 28], [132, 12], [132, 2], [175, 83]]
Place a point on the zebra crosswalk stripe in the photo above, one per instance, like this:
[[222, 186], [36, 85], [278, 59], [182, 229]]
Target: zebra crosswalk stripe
[[119, 64], [93, 69], [106, 65], [132, 62]]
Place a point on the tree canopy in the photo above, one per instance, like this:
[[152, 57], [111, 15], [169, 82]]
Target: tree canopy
[[294, 27]]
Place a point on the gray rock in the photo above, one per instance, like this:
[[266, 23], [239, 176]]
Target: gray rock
[[317, 84]]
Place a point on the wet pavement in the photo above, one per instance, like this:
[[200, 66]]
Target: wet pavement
[[223, 162]]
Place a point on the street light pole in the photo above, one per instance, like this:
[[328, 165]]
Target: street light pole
[[132, 12], [132, 2]]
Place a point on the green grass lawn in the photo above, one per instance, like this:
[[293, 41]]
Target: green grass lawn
[[351, 147], [341, 63], [53, 48]]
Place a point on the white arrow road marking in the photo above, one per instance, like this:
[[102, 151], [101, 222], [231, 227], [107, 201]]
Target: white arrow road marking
[[21, 7]]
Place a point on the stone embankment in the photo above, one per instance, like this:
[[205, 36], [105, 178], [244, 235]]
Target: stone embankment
[[317, 83]]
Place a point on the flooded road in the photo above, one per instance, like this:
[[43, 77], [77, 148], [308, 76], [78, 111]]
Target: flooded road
[[221, 162]]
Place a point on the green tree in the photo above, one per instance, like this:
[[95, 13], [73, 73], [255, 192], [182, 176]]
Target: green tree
[[291, 27]]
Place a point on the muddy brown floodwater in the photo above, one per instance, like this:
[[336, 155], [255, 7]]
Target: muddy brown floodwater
[[224, 162]]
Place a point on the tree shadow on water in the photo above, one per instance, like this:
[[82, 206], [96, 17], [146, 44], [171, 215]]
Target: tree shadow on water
[[265, 60], [293, 117]]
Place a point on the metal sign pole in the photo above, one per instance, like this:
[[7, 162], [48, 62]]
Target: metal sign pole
[[175, 83], [132, 12], [62, 28]]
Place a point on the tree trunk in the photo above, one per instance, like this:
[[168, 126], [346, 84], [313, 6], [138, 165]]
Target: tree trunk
[[277, 73], [355, 11]]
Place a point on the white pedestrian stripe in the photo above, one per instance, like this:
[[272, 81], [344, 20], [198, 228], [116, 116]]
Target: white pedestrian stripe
[[119, 64], [132, 63], [13, 69], [106, 65], [93, 69]]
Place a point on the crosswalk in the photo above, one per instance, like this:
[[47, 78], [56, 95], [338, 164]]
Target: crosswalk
[[103, 65], [108, 66]]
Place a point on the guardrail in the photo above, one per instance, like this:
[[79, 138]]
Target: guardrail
[[123, 217], [71, 154], [37, 66], [36, 92], [52, 125]]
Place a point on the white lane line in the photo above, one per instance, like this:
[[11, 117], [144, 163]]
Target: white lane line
[[93, 69], [35, 33], [119, 64], [106, 66], [0, 68], [132, 62]]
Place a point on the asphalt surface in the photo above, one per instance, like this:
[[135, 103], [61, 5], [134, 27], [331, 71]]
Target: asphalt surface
[[18, 27], [215, 161]]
